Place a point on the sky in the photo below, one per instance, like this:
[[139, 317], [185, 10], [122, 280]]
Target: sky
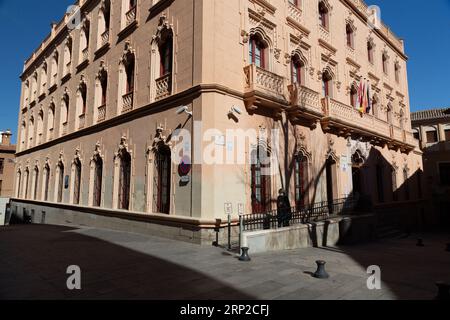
[[424, 25]]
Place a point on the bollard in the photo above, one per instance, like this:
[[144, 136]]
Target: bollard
[[244, 257], [443, 291], [420, 243], [321, 273]]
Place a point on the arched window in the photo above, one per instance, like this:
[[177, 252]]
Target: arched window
[[68, 56], [397, 72], [23, 135], [34, 87], [401, 119], [98, 180], [126, 82], [353, 96], [331, 179], [50, 121], [81, 105], [84, 42], [31, 132], [54, 69], [26, 177], [375, 106], [104, 24], [380, 182], [18, 183], [327, 88], [76, 184], [26, 94], [258, 51], [301, 180], [124, 180], [46, 183], [35, 182], [323, 15], [59, 182], [165, 53], [350, 36], [162, 60], [101, 89], [64, 114], [370, 49], [128, 12], [260, 181], [162, 179], [40, 127], [297, 70], [43, 84], [389, 113], [384, 59]]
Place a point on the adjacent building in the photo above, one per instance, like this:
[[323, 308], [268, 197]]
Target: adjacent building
[[105, 96], [7, 165]]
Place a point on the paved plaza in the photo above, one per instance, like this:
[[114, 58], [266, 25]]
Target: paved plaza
[[117, 265]]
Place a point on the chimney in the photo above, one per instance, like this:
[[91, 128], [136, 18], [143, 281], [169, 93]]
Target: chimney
[[6, 138]]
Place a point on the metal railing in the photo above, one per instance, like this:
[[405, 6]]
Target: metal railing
[[316, 212]]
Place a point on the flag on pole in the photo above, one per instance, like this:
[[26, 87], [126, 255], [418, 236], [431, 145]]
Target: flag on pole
[[369, 99]]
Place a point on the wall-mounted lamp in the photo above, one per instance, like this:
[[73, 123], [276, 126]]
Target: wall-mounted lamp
[[184, 109], [234, 113]]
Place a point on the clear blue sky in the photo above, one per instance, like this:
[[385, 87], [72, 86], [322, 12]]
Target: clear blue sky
[[425, 26]]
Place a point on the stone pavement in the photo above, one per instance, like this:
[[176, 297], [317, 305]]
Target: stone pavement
[[118, 265]]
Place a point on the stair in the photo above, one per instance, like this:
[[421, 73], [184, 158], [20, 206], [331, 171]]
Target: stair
[[389, 232]]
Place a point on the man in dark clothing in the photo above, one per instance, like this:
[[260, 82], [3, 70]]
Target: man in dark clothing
[[283, 209]]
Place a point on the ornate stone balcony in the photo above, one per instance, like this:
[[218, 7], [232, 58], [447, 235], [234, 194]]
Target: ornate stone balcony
[[305, 106], [324, 34], [163, 86], [105, 38], [130, 16], [81, 121], [345, 120], [264, 89], [127, 102], [101, 113], [294, 13]]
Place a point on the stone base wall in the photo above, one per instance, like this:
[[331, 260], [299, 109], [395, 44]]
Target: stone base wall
[[345, 230], [52, 214]]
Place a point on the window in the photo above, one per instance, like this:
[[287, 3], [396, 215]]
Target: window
[[126, 80], [380, 183], [257, 51], [124, 180], [43, 79], [2, 163], [36, 182], [68, 57], [25, 183], [84, 43], [166, 56], [326, 84], [46, 182], [370, 49], [260, 183], [447, 134], [101, 89], [64, 114], [323, 15], [375, 106], [31, 132], [384, 59], [54, 69], [349, 35], [60, 182], [416, 135], [432, 136], [163, 163], [353, 96], [98, 177], [76, 181], [397, 72], [40, 126], [18, 183], [26, 94], [389, 113], [301, 180], [444, 173], [81, 105], [104, 24], [50, 121], [297, 69], [34, 87]]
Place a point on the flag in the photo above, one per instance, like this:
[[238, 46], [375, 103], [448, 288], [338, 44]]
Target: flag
[[369, 99], [362, 96]]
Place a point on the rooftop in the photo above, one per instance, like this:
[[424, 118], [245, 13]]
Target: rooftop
[[431, 114]]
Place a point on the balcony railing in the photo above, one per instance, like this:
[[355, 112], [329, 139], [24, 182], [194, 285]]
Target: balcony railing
[[324, 34], [85, 55], [127, 102], [130, 16], [302, 215], [105, 38], [304, 98], [81, 121], [266, 82], [101, 113], [163, 86], [294, 13]]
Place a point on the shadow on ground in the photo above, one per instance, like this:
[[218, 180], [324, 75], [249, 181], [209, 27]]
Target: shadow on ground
[[34, 261]]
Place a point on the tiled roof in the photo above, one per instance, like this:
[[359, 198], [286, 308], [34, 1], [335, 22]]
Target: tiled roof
[[431, 114]]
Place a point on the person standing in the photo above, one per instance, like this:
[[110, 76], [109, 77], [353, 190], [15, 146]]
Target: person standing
[[283, 209]]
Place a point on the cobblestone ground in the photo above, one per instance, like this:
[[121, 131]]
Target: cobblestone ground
[[117, 265]]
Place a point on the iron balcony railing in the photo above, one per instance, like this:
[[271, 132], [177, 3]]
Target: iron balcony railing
[[306, 214]]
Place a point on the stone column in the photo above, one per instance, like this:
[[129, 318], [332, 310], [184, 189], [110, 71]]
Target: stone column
[[441, 132]]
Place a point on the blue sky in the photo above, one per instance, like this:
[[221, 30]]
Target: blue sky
[[425, 26]]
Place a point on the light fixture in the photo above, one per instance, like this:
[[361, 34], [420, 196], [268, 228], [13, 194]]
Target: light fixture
[[184, 109], [235, 109]]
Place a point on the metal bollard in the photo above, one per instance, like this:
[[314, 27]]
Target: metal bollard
[[321, 273], [443, 291], [244, 257], [420, 243]]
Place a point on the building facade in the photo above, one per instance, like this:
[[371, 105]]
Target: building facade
[[7, 165], [432, 129], [104, 101]]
